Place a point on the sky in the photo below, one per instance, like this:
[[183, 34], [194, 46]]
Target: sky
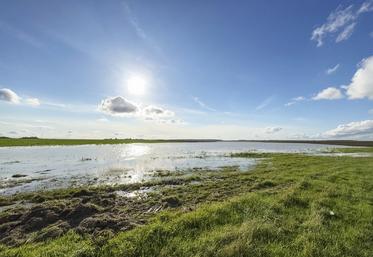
[[187, 69]]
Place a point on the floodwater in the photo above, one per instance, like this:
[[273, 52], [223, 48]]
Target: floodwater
[[24, 169]]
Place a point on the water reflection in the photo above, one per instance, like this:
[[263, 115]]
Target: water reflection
[[62, 166], [133, 151]]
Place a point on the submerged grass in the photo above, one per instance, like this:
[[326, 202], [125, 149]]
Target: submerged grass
[[289, 205], [351, 150]]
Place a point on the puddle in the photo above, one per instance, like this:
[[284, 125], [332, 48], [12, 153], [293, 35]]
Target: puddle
[[141, 193], [344, 154]]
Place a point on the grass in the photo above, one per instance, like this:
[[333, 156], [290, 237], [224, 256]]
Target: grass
[[289, 205]]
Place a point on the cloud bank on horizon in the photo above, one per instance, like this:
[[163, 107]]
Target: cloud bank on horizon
[[189, 80]]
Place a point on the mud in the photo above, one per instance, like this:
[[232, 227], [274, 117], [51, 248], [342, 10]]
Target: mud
[[35, 217]]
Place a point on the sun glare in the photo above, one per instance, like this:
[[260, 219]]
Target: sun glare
[[136, 85]]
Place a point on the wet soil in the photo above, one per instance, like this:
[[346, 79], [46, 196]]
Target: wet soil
[[35, 217]]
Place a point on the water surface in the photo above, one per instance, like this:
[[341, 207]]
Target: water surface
[[25, 169]]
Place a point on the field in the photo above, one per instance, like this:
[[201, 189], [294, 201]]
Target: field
[[288, 205]]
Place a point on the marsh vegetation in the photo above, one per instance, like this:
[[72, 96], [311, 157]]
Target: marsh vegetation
[[289, 204]]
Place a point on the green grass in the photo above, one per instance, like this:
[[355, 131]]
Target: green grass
[[252, 155], [297, 205], [7, 142]]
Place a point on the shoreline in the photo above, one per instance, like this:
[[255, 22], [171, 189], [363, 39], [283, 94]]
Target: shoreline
[[15, 142]]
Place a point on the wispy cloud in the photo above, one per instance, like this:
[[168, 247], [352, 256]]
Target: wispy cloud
[[202, 104], [32, 101], [342, 22], [134, 22], [332, 69], [346, 33], [192, 111], [20, 34], [295, 100], [367, 6], [265, 103]]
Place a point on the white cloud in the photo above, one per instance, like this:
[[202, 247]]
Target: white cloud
[[371, 34], [361, 85], [272, 130], [118, 106], [370, 111], [8, 95], [336, 20], [346, 33], [33, 101], [154, 111], [355, 128], [332, 69], [295, 100], [203, 105], [341, 21], [366, 7], [299, 98], [330, 93]]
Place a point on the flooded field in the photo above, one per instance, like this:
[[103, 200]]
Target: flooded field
[[25, 169]]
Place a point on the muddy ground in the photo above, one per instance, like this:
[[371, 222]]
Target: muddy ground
[[104, 211]]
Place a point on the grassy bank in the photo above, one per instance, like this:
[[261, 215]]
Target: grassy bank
[[289, 205], [8, 142]]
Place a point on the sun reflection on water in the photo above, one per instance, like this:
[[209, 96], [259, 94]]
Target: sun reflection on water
[[133, 151]]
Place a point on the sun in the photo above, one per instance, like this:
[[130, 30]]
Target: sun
[[136, 85]]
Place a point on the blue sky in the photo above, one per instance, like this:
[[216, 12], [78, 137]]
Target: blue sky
[[187, 69]]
